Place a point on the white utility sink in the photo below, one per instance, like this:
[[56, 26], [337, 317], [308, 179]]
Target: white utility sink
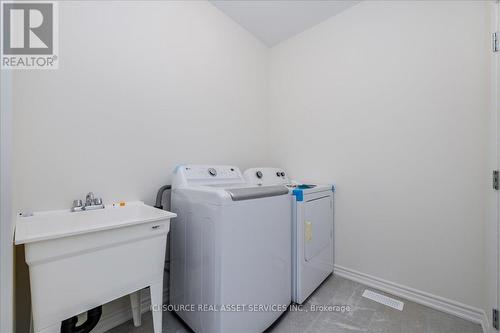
[[80, 260]]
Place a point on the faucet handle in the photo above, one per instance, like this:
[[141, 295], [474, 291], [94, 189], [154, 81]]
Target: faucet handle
[[77, 203], [98, 201], [89, 200]]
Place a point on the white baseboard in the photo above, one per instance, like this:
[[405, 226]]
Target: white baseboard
[[446, 305]]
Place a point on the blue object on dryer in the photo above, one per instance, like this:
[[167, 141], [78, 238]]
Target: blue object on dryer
[[305, 186], [299, 194]]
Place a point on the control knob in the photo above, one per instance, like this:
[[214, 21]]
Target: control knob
[[212, 172]]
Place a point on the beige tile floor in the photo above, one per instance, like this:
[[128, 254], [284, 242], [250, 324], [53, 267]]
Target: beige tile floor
[[365, 316]]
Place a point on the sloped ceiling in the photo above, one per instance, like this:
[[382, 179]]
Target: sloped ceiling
[[274, 21]]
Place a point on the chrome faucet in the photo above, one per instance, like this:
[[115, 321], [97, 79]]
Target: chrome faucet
[[90, 203]]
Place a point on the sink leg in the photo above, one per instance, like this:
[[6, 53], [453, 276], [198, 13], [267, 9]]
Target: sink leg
[[135, 304], [157, 305]]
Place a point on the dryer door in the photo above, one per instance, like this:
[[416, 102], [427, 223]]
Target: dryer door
[[318, 225]]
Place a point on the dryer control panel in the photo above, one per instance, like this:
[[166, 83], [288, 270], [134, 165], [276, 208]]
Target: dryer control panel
[[266, 176]]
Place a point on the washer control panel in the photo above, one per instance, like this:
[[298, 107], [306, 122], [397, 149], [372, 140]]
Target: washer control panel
[[193, 174], [266, 176]]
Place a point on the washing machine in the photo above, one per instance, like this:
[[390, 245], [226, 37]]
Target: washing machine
[[312, 229], [230, 250]]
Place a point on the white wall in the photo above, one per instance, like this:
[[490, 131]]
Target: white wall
[[390, 100], [142, 87]]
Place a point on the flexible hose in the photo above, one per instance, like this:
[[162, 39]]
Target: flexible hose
[[159, 195], [93, 316]]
